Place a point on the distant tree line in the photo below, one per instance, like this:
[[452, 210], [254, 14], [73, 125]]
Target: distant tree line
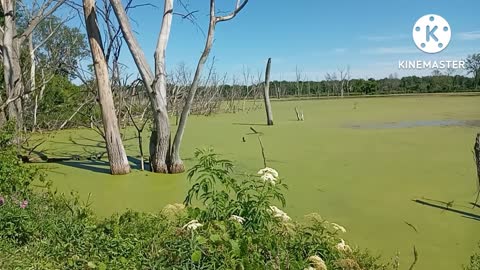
[[355, 87]]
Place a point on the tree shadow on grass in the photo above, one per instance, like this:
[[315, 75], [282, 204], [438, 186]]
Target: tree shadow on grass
[[450, 209]]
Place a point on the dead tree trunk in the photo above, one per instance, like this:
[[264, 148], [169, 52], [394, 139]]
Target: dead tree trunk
[[476, 151], [266, 94], [33, 71], [176, 163], [116, 152], [11, 64], [3, 118], [139, 136], [299, 114], [156, 85], [10, 49]]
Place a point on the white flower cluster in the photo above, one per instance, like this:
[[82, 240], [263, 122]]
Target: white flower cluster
[[238, 219], [269, 175], [316, 263], [192, 225], [277, 213], [343, 247], [337, 227], [175, 208]]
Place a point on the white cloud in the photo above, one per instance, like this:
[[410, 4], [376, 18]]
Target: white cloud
[[391, 50], [473, 35], [386, 37]]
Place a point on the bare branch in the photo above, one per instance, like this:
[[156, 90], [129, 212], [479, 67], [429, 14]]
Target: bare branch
[[41, 14], [238, 7]]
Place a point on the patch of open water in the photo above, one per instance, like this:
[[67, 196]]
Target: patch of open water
[[413, 124]]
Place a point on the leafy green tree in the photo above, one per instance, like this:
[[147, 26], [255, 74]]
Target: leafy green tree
[[59, 101], [472, 64], [61, 47]]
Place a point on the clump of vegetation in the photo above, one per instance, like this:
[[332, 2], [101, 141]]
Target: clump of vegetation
[[14, 177], [227, 222], [474, 261]]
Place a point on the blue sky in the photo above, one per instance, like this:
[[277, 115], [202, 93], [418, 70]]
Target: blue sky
[[317, 36]]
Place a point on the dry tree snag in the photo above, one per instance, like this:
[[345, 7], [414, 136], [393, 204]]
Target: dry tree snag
[[139, 129], [476, 152], [177, 165], [299, 114], [11, 64], [155, 84], [266, 94], [10, 43], [116, 152]]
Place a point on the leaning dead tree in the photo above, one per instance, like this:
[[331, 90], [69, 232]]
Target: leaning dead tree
[[266, 94], [177, 163], [116, 152], [299, 114]]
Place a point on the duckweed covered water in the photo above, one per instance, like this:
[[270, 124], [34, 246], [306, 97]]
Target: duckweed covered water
[[362, 178]]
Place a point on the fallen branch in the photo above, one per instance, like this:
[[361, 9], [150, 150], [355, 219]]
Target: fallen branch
[[415, 256], [263, 152]]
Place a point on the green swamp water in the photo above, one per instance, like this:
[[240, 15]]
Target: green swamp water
[[362, 178]]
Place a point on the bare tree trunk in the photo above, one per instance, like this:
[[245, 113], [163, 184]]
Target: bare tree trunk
[[161, 142], [116, 152], [177, 165], [266, 94], [139, 136], [33, 70], [3, 118], [33, 65], [11, 64], [476, 151], [156, 86], [10, 47]]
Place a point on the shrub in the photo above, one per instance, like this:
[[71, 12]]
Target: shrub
[[229, 223], [15, 177], [474, 261]]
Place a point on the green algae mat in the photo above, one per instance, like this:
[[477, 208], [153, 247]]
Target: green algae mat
[[395, 171]]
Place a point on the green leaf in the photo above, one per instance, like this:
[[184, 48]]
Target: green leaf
[[235, 247], [201, 240], [91, 265], [196, 256], [215, 238], [102, 266]]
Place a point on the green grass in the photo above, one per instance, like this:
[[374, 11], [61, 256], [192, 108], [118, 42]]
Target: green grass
[[364, 179]]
